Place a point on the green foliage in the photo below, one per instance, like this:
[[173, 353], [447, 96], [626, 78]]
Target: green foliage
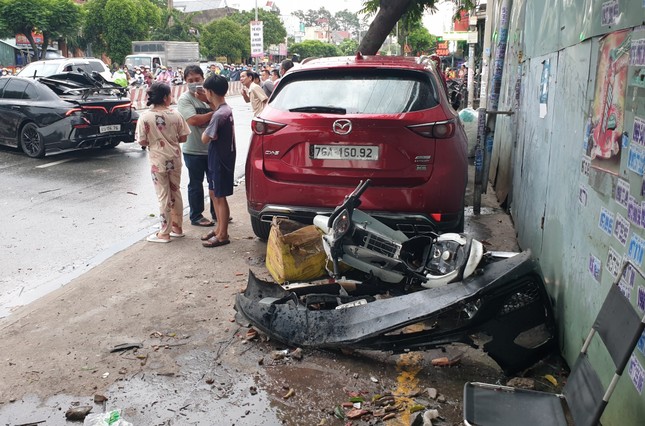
[[343, 20], [311, 17], [175, 25], [52, 18], [225, 37], [421, 41], [348, 47], [314, 48], [112, 25], [274, 31]]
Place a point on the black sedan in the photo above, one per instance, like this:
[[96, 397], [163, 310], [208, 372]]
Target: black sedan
[[63, 112]]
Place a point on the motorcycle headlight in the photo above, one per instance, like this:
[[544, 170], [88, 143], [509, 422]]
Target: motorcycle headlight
[[341, 224]]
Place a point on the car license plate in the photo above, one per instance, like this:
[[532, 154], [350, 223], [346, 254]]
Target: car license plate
[[110, 128], [344, 152]]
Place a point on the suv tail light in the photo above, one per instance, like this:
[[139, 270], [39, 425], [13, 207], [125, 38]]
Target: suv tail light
[[437, 130], [265, 127]]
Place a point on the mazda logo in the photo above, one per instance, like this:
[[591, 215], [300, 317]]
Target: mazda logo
[[342, 127]]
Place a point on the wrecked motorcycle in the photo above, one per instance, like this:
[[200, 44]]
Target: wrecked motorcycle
[[358, 240], [417, 294]]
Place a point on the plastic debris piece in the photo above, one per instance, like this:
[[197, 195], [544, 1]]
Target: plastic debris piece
[[105, 375], [357, 399], [374, 379], [551, 379], [416, 407], [432, 393], [339, 413]]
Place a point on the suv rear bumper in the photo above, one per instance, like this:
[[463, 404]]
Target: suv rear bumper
[[408, 223]]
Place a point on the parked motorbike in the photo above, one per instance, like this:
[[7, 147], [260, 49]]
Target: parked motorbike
[[457, 92], [412, 294]]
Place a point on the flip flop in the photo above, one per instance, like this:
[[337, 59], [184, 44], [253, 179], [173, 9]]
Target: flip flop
[[176, 235], [154, 238], [208, 236], [203, 222], [215, 242]]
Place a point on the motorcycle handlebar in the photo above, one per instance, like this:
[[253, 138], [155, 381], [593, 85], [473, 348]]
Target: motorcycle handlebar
[[352, 201]]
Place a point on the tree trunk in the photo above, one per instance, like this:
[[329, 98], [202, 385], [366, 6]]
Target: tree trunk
[[32, 43], [388, 15], [43, 51]]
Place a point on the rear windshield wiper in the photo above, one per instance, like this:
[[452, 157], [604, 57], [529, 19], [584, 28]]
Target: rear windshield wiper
[[322, 109]]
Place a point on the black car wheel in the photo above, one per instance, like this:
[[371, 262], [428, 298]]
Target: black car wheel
[[31, 141], [260, 229]]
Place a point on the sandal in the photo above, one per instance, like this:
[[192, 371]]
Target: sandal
[[215, 242], [208, 236], [203, 222]]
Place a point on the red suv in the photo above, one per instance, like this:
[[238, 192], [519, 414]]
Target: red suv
[[332, 122]]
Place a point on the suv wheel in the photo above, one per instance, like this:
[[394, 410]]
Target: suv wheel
[[31, 141], [260, 229]]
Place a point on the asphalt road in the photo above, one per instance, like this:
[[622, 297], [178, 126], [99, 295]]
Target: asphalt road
[[63, 214]]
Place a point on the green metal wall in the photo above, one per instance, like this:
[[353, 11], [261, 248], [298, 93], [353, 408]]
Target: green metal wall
[[7, 55], [540, 164]]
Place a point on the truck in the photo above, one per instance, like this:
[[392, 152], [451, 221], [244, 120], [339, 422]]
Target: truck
[[154, 54]]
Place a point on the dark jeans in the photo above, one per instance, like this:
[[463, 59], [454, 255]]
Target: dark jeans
[[197, 169]]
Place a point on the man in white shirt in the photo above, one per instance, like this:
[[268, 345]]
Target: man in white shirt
[[252, 92]]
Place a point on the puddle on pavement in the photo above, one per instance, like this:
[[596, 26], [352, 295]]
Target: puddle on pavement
[[204, 390]]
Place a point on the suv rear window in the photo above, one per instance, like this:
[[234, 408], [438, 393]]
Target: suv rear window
[[356, 91]]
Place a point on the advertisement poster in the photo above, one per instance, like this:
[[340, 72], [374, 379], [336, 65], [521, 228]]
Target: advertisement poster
[[607, 113]]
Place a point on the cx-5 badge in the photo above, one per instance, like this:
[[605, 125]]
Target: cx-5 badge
[[342, 127]]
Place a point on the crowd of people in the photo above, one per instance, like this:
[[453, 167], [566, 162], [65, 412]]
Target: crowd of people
[[200, 133], [143, 76]]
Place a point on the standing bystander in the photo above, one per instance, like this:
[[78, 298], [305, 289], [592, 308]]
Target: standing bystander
[[220, 137], [193, 106], [266, 82], [162, 129], [252, 92]]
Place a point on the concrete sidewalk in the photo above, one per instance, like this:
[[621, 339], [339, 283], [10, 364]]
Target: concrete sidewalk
[[187, 361]]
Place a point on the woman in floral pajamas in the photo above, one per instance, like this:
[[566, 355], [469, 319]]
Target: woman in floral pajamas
[[162, 129]]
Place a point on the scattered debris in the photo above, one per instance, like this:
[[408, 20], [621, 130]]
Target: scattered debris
[[253, 390], [123, 370], [296, 354], [251, 334], [78, 413], [356, 414], [432, 393], [291, 392], [98, 398], [210, 380], [374, 379], [441, 399], [105, 375], [522, 383], [125, 347], [277, 355], [446, 362], [551, 379]]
